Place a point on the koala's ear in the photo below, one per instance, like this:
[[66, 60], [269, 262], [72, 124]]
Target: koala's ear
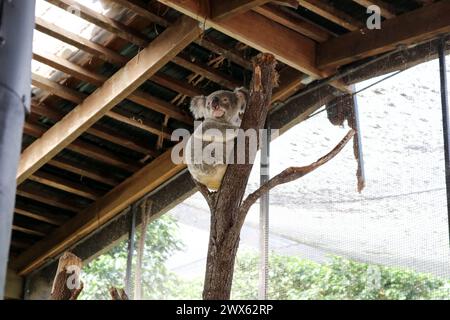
[[242, 96], [198, 106]]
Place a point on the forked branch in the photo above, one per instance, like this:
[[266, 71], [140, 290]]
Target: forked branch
[[288, 175]]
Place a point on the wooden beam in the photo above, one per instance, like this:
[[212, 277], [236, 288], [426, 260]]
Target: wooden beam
[[79, 42], [407, 29], [139, 8], [293, 21], [329, 12], [207, 72], [387, 10], [28, 231], [261, 33], [98, 131], [83, 171], [48, 199], [59, 183], [144, 181], [86, 149], [44, 217], [142, 98], [102, 21], [146, 63], [221, 10]]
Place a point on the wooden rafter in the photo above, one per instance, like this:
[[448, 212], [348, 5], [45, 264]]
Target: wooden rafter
[[113, 26], [259, 32], [220, 9], [48, 199], [68, 186], [387, 10], [142, 98], [86, 149], [326, 10], [293, 21], [409, 28], [115, 89], [43, 217]]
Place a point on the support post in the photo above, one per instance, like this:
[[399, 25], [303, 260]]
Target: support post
[[264, 215], [16, 35], [445, 119], [131, 236]]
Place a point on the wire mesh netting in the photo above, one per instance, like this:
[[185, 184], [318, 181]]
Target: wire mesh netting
[[327, 241]]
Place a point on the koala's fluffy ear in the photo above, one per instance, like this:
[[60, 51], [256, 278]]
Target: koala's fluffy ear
[[242, 96], [198, 106]]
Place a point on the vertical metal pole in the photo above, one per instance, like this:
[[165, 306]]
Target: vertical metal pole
[[264, 216], [131, 237], [16, 38], [445, 119]]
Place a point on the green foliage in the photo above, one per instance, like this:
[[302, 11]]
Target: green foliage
[[294, 278], [290, 278], [109, 269]]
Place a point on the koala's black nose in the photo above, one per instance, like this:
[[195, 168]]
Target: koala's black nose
[[215, 101]]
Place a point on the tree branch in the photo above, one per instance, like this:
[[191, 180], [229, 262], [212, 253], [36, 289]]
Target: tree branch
[[288, 175], [209, 196]]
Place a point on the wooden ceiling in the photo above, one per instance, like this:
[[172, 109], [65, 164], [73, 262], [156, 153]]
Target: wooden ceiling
[[98, 138]]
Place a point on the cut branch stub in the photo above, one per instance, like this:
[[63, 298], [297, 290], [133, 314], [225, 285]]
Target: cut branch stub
[[67, 284]]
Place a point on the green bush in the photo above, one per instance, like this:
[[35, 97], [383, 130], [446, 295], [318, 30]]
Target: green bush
[[291, 278]]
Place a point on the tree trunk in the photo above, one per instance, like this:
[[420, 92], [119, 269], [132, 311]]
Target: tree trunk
[[224, 205], [220, 261]]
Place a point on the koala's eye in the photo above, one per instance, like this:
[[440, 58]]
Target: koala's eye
[[225, 99]]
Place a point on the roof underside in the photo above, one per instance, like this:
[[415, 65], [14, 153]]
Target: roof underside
[[81, 44]]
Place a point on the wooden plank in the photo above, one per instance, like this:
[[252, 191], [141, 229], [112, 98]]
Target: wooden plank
[[59, 183], [293, 21], [83, 171], [144, 181], [87, 150], [98, 131], [409, 28], [79, 42], [139, 7], [146, 63], [176, 85], [387, 10], [207, 71], [142, 98], [221, 10], [102, 21], [28, 231], [261, 33], [48, 199], [44, 217], [68, 67], [326, 10]]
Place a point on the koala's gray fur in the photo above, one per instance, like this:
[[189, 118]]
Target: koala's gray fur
[[221, 110]]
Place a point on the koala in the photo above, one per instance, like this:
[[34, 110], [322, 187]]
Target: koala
[[222, 112]]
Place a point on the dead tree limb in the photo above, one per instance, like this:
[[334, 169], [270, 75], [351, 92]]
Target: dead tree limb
[[67, 284]]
